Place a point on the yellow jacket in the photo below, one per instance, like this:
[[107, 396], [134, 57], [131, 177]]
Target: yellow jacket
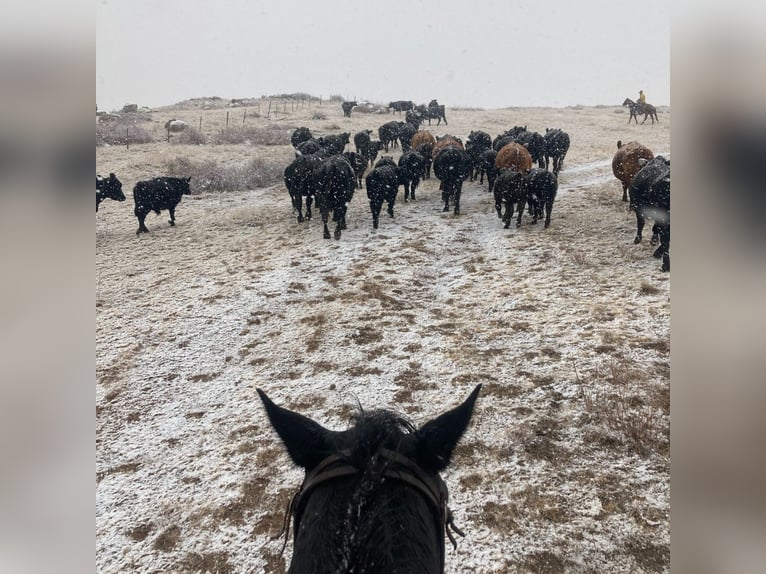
[[642, 97]]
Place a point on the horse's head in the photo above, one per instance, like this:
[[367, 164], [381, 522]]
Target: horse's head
[[372, 499], [628, 102]]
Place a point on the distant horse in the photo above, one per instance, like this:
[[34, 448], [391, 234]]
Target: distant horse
[[372, 499], [637, 108]]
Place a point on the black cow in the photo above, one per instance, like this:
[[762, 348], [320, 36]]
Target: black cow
[[389, 134], [362, 142], [335, 144], [410, 171], [299, 180], [334, 183], [556, 148], [400, 106], [487, 167], [300, 135], [650, 197], [308, 147], [426, 150], [358, 164], [414, 118], [158, 194], [108, 188], [535, 144], [347, 106], [451, 166], [477, 142], [406, 131], [510, 189], [382, 185], [542, 186]]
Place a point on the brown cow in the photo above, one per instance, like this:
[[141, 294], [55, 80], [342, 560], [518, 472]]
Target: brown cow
[[421, 137], [625, 164], [514, 156], [446, 141]]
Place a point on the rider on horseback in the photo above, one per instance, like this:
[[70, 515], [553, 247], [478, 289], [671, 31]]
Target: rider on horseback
[[641, 97]]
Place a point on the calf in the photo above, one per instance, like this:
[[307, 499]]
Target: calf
[[406, 133], [382, 185], [542, 186], [108, 188], [358, 164], [158, 194], [477, 142], [487, 166], [410, 170], [510, 189]]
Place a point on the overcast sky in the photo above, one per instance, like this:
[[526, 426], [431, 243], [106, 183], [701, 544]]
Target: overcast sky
[[478, 53]]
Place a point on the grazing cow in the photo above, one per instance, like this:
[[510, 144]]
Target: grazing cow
[[388, 134], [514, 156], [556, 148], [335, 144], [650, 197], [382, 185], [406, 133], [507, 137], [400, 105], [158, 194], [347, 107], [175, 126], [299, 180], [358, 164], [625, 163], [477, 142], [541, 192], [362, 141], [451, 166], [108, 188], [419, 140], [334, 184], [510, 189], [410, 171], [487, 166], [301, 134]]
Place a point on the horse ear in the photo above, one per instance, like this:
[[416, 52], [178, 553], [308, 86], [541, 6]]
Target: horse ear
[[305, 440], [436, 440]]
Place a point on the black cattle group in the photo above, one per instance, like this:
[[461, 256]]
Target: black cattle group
[[324, 173]]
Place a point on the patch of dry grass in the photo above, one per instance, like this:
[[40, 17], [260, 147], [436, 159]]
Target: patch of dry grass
[[209, 175]]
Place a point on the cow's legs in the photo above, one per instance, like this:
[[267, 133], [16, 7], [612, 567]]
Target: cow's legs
[[375, 207], [639, 226], [172, 220], [521, 212], [309, 200], [325, 218], [141, 225]]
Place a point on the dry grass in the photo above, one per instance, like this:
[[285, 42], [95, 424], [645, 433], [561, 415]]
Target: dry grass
[[210, 176], [270, 135], [617, 406]]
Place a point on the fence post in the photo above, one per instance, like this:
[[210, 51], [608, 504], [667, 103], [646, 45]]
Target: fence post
[[127, 137], [200, 124], [269, 112], [244, 115], [227, 119]]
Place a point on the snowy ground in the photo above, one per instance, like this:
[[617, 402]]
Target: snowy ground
[[566, 465]]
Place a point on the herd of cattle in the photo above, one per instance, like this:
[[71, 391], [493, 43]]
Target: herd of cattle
[[521, 168]]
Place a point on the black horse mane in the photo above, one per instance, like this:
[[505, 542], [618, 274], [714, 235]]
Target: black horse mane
[[375, 429]]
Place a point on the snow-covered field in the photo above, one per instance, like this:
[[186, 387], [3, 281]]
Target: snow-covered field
[[566, 465]]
